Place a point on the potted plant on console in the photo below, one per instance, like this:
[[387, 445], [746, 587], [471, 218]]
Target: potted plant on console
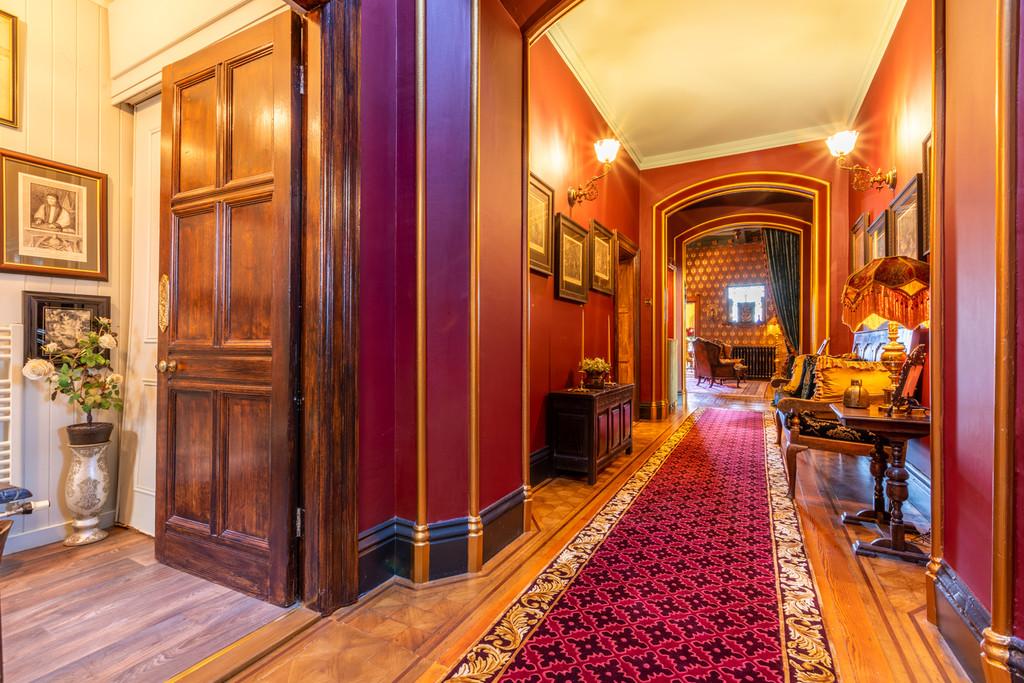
[[595, 371], [82, 373]]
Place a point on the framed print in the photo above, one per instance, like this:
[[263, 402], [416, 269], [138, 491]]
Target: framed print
[[859, 242], [927, 152], [540, 211], [573, 260], [8, 69], [905, 230], [878, 236], [59, 318], [602, 260], [54, 218]]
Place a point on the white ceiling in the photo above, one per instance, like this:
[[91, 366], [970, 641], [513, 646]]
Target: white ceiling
[[682, 80]]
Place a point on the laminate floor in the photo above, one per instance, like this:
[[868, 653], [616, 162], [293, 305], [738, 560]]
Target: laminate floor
[[111, 612], [874, 609]]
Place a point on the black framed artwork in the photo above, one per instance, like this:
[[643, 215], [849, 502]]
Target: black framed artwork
[[540, 211], [906, 220], [878, 236], [602, 259], [59, 318], [54, 218], [573, 257], [859, 242], [927, 152]]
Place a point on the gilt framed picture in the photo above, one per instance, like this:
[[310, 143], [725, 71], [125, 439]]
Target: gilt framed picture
[[59, 318], [540, 211], [8, 70], [573, 260], [859, 242], [602, 260], [54, 218], [927, 152], [878, 236], [907, 221]]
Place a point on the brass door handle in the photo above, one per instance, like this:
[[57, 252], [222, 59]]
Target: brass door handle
[[167, 366]]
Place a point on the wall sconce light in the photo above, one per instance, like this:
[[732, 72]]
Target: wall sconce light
[[841, 145], [606, 150]]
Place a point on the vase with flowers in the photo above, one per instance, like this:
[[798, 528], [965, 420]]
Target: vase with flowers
[[82, 373], [595, 371]]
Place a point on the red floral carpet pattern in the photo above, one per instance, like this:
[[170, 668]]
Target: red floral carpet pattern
[[695, 571]]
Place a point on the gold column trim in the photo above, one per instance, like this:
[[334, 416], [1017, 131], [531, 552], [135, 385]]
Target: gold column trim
[[525, 265], [995, 646], [935, 201], [475, 533], [163, 310], [421, 533]]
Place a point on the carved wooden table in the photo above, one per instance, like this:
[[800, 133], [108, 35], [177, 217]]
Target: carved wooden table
[[589, 428], [898, 429]]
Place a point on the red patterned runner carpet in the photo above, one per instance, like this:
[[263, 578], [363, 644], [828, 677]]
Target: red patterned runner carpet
[[694, 571]]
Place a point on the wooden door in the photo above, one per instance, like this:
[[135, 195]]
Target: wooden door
[[227, 465], [137, 490], [626, 322]]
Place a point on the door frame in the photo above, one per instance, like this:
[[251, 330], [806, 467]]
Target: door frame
[[629, 249], [328, 397]]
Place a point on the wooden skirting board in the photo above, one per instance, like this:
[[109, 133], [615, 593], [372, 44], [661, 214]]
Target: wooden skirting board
[[243, 653]]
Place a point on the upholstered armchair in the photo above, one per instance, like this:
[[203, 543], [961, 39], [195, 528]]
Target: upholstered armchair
[[711, 363]]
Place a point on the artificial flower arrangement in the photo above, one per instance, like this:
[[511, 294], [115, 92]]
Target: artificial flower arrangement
[[595, 371], [81, 373]]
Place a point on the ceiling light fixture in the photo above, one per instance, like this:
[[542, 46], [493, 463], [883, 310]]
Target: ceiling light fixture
[[606, 151], [841, 145]]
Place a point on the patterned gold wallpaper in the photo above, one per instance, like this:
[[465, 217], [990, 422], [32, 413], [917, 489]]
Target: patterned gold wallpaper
[[712, 268]]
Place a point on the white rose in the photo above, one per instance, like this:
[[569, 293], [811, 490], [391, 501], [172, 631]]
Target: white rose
[[108, 341], [51, 348], [37, 369], [114, 378], [103, 321]]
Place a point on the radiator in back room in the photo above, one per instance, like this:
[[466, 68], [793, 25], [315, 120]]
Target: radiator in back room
[[760, 360]]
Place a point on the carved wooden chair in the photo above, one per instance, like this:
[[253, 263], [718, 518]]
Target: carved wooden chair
[[711, 363]]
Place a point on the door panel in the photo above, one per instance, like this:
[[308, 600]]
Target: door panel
[[229, 227]]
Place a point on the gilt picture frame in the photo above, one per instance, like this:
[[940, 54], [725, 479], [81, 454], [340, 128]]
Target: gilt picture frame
[[859, 242], [927, 153], [540, 212], [573, 260], [906, 220], [54, 218], [59, 317], [878, 236], [8, 70], [602, 259]]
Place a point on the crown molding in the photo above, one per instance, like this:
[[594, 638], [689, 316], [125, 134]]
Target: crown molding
[[567, 51]]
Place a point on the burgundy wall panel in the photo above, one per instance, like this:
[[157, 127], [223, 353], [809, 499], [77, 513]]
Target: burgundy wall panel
[[501, 253], [969, 292]]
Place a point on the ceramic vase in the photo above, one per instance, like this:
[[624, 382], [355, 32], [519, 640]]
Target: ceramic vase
[[85, 491]]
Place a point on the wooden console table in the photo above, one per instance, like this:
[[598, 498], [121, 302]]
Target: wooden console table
[[590, 428], [898, 429]]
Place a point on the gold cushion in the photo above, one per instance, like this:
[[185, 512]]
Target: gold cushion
[[793, 385], [833, 375]]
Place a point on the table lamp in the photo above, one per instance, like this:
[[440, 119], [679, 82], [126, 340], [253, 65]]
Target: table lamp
[[893, 290], [774, 332]]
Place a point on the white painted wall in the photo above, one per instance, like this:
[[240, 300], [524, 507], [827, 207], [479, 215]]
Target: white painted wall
[[66, 116], [147, 35]]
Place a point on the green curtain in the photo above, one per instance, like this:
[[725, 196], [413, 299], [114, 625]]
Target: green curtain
[[783, 250]]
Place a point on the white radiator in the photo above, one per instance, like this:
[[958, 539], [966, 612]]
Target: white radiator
[[11, 357]]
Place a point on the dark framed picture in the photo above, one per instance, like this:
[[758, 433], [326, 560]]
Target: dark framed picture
[[59, 318], [906, 227], [573, 271], [859, 242], [54, 218], [927, 151], [602, 260], [878, 236], [540, 212]]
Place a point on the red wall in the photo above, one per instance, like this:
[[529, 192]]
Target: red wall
[[501, 253], [969, 291], [1018, 507], [564, 124]]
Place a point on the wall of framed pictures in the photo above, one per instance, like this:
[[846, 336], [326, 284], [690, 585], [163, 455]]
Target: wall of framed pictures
[[75, 146]]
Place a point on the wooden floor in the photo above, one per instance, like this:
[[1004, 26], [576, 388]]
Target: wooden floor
[[874, 609], [110, 612]]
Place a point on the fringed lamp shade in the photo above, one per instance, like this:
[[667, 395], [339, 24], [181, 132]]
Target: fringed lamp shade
[[890, 289]]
